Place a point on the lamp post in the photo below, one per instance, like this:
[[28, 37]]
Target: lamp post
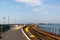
[[4, 19], [15, 21], [8, 20]]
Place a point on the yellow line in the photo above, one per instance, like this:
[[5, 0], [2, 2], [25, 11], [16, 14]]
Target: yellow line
[[31, 36], [27, 29]]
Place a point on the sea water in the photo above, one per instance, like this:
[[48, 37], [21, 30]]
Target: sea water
[[53, 28]]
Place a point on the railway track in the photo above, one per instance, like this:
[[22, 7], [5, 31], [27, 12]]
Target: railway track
[[43, 35], [38, 35]]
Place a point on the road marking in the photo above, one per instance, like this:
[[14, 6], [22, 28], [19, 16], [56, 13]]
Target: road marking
[[27, 29], [25, 34]]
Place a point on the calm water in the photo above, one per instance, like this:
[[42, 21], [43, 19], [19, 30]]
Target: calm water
[[55, 28]]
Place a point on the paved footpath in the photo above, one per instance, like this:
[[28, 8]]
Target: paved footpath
[[13, 34]]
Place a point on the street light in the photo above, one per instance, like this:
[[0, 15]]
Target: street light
[[8, 20], [4, 19], [15, 21]]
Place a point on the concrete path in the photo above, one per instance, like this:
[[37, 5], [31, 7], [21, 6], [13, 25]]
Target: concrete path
[[13, 34]]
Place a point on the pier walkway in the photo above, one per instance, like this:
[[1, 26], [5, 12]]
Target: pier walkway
[[13, 34]]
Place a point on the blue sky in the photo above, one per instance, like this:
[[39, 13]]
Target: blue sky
[[30, 11]]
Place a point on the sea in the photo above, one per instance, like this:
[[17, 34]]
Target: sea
[[53, 28]]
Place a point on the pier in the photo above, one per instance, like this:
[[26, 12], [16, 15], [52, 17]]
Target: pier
[[15, 33], [27, 32]]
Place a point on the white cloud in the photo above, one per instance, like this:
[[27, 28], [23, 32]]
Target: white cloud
[[17, 6], [31, 2], [57, 8], [35, 9], [45, 12], [35, 3]]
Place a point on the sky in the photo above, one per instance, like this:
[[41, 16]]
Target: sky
[[30, 11]]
